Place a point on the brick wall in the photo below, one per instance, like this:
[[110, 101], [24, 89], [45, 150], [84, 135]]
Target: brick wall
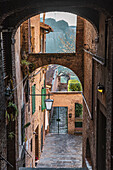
[[101, 102], [37, 119], [88, 124]]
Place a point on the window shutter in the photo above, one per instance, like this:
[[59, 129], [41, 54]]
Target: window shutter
[[43, 91], [23, 123], [33, 99]]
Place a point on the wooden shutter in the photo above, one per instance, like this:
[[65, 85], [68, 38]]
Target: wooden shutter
[[43, 91], [33, 99], [23, 122]]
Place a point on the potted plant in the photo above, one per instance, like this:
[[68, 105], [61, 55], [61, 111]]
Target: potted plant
[[12, 111]]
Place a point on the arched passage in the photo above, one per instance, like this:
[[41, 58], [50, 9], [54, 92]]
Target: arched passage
[[104, 72]]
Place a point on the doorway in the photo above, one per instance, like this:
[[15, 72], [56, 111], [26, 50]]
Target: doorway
[[59, 120], [36, 145]]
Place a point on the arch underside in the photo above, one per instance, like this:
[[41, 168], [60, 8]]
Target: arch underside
[[15, 14], [14, 20]]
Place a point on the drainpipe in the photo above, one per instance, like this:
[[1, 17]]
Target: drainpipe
[[92, 87], [106, 31], [29, 36]]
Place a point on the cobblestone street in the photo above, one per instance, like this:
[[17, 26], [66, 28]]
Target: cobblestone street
[[61, 151]]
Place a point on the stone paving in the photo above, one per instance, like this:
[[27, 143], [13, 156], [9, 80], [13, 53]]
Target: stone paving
[[61, 151]]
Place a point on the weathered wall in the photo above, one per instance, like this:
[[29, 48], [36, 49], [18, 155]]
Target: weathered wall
[[101, 102], [35, 23], [88, 124], [20, 97], [3, 129], [37, 119], [67, 99], [55, 81]]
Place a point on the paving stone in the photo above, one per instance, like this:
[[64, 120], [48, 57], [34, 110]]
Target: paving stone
[[61, 151]]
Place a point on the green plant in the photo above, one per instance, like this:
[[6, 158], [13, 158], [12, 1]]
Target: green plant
[[12, 111], [74, 85], [11, 135], [25, 62]]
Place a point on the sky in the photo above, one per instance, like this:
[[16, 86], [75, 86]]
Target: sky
[[70, 18]]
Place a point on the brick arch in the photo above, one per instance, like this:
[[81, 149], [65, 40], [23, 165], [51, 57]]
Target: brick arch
[[90, 10], [28, 13], [70, 60]]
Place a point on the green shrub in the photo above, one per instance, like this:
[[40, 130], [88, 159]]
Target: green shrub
[[74, 85]]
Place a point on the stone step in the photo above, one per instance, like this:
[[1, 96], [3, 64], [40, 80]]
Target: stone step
[[22, 168]]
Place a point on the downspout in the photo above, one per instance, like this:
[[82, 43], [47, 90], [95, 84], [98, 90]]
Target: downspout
[[29, 36], [92, 88]]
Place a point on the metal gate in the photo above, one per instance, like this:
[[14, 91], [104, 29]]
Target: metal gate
[[59, 120]]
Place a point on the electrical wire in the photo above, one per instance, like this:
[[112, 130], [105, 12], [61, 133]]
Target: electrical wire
[[26, 77], [20, 83]]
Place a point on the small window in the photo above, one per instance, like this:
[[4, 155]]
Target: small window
[[27, 91], [32, 39]]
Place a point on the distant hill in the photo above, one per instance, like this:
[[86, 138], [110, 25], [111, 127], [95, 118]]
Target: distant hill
[[61, 40]]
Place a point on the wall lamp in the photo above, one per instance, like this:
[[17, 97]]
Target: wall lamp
[[100, 88], [48, 103]]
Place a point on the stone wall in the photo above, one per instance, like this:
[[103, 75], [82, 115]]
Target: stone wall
[[101, 105], [3, 129], [37, 119]]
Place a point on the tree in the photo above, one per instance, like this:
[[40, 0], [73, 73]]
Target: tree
[[67, 42]]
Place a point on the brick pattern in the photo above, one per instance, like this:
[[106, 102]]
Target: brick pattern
[[102, 74], [72, 61]]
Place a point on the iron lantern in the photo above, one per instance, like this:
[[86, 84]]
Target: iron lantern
[[48, 103]]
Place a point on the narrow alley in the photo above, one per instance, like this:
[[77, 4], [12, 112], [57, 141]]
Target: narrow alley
[[61, 151], [56, 85]]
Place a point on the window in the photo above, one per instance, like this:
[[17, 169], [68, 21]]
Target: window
[[27, 91], [78, 110], [32, 39], [33, 99]]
